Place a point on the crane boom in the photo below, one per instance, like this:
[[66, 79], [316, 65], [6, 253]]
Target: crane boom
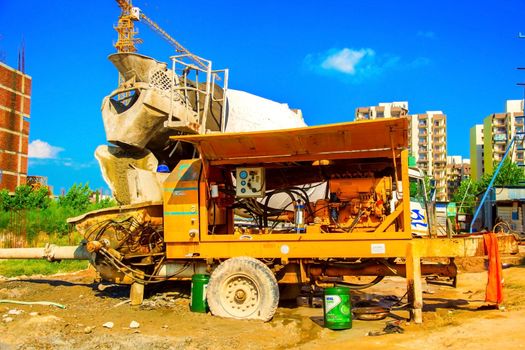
[[172, 42], [125, 28]]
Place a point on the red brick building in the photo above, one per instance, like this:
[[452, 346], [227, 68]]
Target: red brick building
[[15, 101]]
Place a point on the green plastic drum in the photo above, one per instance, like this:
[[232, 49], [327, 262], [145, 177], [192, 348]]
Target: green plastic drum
[[337, 308], [198, 302]]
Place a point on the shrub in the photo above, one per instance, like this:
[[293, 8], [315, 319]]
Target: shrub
[[77, 197], [37, 213]]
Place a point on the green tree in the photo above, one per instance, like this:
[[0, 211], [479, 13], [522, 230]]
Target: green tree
[[76, 198], [39, 198], [102, 203], [5, 200], [25, 197], [21, 199], [428, 186], [466, 194], [509, 174]]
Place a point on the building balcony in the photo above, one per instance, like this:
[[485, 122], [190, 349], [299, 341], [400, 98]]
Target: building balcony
[[499, 116], [398, 112], [362, 113], [499, 130], [499, 137]]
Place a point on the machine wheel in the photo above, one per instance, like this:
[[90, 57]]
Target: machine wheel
[[243, 288]]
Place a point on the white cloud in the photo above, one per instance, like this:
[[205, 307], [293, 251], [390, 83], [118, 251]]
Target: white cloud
[[346, 60], [354, 65], [43, 150], [357, 65]]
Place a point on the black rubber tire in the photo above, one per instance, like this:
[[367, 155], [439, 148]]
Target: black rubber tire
[[243, 288]]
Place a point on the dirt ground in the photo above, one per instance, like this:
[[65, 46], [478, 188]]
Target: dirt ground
[[451, 318]]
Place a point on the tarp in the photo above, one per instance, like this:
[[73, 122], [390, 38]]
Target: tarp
[[248, 112], [345, 140]]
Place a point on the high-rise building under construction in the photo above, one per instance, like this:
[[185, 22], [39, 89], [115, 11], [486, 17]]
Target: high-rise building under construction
[[15, 101]]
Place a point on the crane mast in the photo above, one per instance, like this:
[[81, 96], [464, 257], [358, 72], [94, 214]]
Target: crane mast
[[125, 28], [126, 41]]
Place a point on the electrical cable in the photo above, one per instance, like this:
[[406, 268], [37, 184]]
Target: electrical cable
[[115, 262]]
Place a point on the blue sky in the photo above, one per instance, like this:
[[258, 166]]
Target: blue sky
[[326, 58]]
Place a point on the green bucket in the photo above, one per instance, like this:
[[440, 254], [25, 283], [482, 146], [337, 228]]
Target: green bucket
[[198, 302], [337, 308]]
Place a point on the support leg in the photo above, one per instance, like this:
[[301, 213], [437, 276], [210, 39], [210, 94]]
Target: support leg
[[414, 285], [136, 293]]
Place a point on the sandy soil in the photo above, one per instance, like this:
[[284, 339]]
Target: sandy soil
[[451, 319]]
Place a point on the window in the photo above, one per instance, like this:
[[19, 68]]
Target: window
[[124, 100]]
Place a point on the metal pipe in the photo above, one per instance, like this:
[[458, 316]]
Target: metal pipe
[[206, 99], [50, 252], [224, 100], [490, 184]]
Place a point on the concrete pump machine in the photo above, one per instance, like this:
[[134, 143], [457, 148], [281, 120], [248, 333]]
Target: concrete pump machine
[[306, 206], [255, 209]]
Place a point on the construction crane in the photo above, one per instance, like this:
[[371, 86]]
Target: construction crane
[[127, 41]]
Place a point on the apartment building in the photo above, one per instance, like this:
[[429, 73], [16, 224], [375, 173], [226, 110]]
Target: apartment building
[[498, 131], [427, 137], [383, 110], [15, 100], [431, 155], [458, 169], [477, 153]]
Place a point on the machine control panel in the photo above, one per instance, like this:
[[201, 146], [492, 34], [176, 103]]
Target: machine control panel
[[250, 182]]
